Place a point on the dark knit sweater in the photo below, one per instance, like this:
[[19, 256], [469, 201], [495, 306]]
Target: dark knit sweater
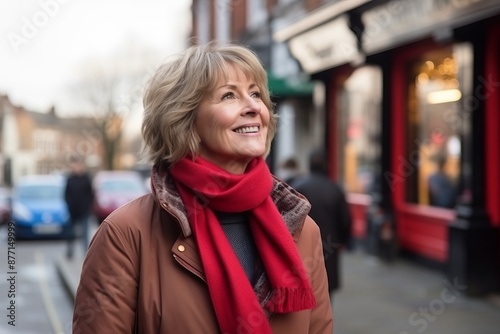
[[237, 230]]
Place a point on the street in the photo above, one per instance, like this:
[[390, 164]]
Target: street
[[33, 298]]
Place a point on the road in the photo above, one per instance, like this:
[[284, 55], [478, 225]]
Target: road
[[33, 297]]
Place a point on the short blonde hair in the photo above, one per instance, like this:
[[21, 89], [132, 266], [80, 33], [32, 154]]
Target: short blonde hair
[[174, 92]]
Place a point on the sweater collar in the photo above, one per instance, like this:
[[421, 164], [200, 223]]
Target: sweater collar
[[291, 205]]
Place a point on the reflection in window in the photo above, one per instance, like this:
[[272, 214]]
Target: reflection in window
[[360, 129], [434, 144]]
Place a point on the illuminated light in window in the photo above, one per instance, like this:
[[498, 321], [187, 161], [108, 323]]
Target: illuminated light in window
[[423, 78], [453, 83], [444, 96]]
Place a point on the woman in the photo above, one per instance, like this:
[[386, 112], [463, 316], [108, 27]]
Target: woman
[[220, 245]]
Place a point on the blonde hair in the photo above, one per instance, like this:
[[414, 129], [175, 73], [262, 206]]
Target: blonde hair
[[175, 90]]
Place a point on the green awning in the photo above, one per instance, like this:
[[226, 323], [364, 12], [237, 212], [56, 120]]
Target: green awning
[[283, 87]]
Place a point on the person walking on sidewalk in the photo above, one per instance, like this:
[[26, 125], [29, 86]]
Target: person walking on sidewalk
[[330, 211], [219, 245], [79, 196]]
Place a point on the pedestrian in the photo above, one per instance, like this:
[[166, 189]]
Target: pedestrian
[[219, 245], [330, 211], [442, 191], [79, 196], [289, 170]]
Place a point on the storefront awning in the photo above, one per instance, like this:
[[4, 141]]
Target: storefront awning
[[391, 24], [283, 87]]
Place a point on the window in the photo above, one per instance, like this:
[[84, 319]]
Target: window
[[359, 128], [45, 142], [433, 135]]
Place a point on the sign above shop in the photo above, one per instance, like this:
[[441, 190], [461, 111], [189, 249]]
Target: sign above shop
[[326, 46], [398, 21]]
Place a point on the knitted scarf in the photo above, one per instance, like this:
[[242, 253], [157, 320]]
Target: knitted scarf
[[204, 187]]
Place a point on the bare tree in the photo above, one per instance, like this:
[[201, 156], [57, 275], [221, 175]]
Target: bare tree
[[111, 90]]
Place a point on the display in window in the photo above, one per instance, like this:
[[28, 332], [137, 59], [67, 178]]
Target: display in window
[[434, 143]]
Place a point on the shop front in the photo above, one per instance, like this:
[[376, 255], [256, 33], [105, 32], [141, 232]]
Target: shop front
[[413, 129]]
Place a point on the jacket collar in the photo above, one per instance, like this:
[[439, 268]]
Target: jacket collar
[[292, 206]]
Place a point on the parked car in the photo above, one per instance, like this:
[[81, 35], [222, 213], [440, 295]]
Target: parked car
[[5, 205], [112, 189], [38, 207]]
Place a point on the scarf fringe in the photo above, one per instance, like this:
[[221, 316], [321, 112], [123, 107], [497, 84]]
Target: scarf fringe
[[286, 300]]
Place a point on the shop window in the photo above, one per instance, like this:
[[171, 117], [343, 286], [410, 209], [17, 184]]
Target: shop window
[[433, 134], [359, 129]]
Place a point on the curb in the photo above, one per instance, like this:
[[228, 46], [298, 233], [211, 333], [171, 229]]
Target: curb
[[69, 272]]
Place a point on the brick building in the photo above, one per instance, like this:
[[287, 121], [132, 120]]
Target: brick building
[[41, 143]]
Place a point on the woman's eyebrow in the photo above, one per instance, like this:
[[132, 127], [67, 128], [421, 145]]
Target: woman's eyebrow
[[233, 86]]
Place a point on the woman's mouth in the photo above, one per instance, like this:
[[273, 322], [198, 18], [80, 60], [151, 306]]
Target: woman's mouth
[[247, 129]]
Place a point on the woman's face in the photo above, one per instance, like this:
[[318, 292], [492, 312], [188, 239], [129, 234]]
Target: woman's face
[[232, 122]]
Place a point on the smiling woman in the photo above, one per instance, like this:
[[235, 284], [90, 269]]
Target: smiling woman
[[218, 234]]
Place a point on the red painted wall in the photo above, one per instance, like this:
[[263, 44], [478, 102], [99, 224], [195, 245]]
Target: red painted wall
[[491, 92]]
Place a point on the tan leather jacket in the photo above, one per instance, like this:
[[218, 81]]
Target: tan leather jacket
[[143, 269]]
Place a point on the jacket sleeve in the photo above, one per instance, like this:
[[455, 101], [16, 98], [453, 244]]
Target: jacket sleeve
[[107, 293], [321, 316]]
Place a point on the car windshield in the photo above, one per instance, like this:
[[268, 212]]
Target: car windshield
[[42, 192], [121, 185]]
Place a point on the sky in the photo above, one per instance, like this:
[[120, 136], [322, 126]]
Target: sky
[[43, 43]]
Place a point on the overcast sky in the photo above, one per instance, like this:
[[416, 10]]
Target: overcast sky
[[44, 42]]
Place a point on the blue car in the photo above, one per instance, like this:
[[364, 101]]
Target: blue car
[[38, 207]]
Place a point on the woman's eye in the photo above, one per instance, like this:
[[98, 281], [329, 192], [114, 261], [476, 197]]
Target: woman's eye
[[228, 95], [256, 95]]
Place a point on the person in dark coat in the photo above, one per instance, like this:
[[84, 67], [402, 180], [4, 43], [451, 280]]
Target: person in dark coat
[[289, 170], [330, 211], [442, 191], [79, 197]]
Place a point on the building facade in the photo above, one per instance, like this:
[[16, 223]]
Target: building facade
[[42, 143], [412, 122]]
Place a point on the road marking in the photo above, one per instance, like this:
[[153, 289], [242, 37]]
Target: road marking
[[49, 305]]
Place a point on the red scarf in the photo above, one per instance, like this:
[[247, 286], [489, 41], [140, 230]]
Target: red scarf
[[205, 187]]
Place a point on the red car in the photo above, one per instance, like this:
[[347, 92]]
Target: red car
[[112, 189]]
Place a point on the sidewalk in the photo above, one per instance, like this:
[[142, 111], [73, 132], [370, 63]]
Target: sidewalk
[[69, 270], [381, 298], [406, 298]]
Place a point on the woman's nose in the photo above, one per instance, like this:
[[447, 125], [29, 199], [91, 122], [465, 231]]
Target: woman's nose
[[252, 106]]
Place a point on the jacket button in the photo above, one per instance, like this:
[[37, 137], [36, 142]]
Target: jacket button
[[181, 248]]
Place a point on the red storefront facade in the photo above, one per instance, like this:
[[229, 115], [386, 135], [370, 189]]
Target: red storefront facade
[[413, 125]]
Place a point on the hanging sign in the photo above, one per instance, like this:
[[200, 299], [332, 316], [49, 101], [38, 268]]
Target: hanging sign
[[326, 46]]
